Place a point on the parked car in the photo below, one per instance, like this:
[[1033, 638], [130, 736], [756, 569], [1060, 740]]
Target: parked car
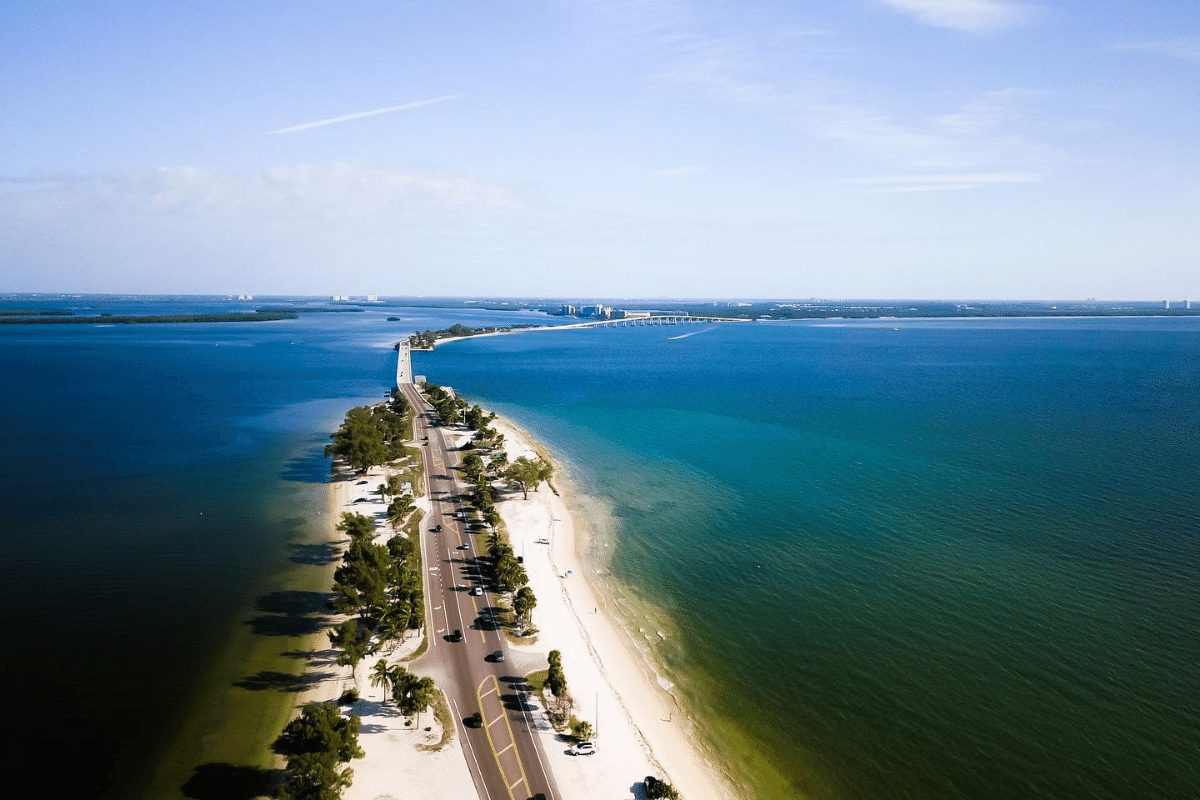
[[583, 749]]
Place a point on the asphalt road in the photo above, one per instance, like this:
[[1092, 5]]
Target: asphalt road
[[504, 754]]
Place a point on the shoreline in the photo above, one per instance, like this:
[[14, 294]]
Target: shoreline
[[641, 727], [622, 650]]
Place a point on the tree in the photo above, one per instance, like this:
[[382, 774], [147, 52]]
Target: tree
[[581, 730], [315, 744], [399, 509], [556, 680], [412, 694], [492, 517], [356, 526], [472, 467], [354, 642], [525, 473], [359, 441], [524, 603], [381, 675]]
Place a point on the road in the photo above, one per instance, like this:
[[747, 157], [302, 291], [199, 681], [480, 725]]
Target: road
[[504, 754]]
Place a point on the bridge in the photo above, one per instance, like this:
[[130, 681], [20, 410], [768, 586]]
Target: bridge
[[404, 374], [649, 319]]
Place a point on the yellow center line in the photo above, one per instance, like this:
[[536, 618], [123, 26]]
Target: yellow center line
[[487, 729], [512, 738]]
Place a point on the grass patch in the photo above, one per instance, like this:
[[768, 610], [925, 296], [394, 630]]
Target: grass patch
[[441, 712], [413, 472], [537, 680]]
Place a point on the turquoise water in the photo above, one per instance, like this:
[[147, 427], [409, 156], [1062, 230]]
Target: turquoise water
[[957, 559], [953, 559]]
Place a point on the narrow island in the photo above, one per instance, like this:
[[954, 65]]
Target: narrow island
[[390, 721]]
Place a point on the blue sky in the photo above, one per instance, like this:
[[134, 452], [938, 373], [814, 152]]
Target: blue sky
[[861, 148]]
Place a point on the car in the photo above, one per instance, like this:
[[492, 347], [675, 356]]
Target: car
[[583, 749], [542, 541], [464, 546], [437, 528], [478, 590], [498, 655], [456, 636], [475, 720]]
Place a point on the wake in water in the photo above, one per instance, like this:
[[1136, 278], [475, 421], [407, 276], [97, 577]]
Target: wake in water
[[685, 335]]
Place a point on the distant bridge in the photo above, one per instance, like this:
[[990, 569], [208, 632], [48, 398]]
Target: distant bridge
[[404, 357], [650, 319]]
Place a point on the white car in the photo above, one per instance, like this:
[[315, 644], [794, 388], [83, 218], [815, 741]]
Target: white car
[[543, 541], [583, 749], [478, 590]]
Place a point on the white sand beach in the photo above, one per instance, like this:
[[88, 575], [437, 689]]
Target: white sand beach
[[640, 729]]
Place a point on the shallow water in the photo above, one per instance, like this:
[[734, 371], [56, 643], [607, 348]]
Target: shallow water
[[958, 559]]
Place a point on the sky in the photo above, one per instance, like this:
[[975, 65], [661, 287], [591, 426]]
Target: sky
[[938, 149]]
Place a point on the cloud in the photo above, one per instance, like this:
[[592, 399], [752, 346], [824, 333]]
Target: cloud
[[320, 123], [969, 16], [1185, 47], [940, 182], [678, 172]]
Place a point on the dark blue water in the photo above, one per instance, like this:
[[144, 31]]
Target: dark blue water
[[158, 485], [953, 559]]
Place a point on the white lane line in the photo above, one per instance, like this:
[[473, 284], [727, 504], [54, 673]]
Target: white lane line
[[471, 747]]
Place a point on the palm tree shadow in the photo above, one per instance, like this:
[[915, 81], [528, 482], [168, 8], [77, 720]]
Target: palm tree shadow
[[219, 781]]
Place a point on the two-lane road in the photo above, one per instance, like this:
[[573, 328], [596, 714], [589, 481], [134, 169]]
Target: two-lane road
[[504, 754]]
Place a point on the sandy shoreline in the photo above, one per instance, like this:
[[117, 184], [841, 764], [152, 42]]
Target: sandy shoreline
[[641, 730]]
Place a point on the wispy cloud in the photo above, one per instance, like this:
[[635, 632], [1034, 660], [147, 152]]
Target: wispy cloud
[[678, 172], [970, 16], [1185, 47], [320, 123], [939, 182]]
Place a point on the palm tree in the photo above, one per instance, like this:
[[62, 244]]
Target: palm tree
[[381, 675], [399, 510]]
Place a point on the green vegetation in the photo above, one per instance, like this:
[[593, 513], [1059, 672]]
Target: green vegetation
[[660, 790], [373, 435], [379, 584], [315, 744], [526, 472], [581, 729], [427, 340], [558, 709]]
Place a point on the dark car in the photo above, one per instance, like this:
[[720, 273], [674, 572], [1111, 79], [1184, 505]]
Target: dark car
[[456, 636], [437, 528], [498, 655]]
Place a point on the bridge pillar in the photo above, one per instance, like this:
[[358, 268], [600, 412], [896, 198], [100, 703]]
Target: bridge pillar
[[403, 363]]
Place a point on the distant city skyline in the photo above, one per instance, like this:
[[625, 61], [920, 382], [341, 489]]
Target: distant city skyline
[[970, 149]]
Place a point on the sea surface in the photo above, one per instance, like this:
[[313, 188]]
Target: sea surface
[[890, 559], [921, 559]]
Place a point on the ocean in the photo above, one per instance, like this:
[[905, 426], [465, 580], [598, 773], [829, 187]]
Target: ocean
[[902, 559]]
